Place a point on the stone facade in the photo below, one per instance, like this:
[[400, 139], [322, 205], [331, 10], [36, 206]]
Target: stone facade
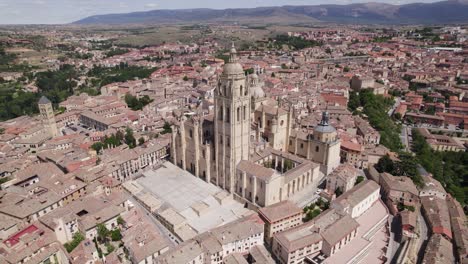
[[247, 130], [48, 117]]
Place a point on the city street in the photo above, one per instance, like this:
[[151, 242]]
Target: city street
[[394, 240], [423, 234], [405, 137]]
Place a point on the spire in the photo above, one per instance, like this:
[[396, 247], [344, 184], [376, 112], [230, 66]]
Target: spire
[[325, 119], [233, 54], [44, 100]]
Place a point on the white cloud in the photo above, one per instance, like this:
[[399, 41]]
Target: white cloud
[[152, 5]]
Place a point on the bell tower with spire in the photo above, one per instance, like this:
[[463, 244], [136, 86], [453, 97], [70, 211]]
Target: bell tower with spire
[[232, 122]]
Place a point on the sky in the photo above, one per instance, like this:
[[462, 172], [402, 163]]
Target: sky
[[67, 11]]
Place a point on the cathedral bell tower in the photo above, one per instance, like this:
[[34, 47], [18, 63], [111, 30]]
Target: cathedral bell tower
[[232, 121]]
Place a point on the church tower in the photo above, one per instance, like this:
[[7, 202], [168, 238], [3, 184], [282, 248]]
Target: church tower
[[325, 145], [47, 114], [232, 121]]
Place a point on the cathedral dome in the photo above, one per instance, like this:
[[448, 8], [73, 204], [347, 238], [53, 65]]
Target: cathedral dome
[[233, 69], [257, 92], [324, 126], [324, 129]]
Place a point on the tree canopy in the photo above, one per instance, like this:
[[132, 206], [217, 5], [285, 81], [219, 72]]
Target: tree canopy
[[448, 167], [295, 43], [375, 108], [137, 104]]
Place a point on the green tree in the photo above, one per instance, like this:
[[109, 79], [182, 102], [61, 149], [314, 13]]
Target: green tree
[[166, 128], [375, 108], [77, 238], [407, 166], [109, 248], [397, 116], [312, 214], [57, 85], [112, 141], [449, 168], [98, 146], [249, 71], [359, 179], [288, 164], [4, 179], [133, 102], [354, 101], [116, 235], [295, 43], [129, 138], [141, 141], [120, 221], [385, 164], [137, 104], [115, 52], [102, 232]]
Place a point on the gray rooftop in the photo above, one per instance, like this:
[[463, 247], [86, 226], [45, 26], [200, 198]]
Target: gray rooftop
[[44, 100], [191, 197]]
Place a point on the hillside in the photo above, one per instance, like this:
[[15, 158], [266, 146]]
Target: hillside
[[452, 11]]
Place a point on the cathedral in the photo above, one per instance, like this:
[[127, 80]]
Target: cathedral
[[250, 145]]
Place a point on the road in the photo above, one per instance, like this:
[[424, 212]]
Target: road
[[405, 137], [423, 233], [395, 237], [447, 130], [395, 105]]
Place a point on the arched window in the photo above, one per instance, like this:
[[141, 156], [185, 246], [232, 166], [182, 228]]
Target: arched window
[[225, 90], [228, 114], [241, 90], [317, 149], [282, 123], [221, 113], [238, 114], [245, 113]]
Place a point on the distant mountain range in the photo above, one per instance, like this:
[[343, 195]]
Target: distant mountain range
[[445, 12]]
